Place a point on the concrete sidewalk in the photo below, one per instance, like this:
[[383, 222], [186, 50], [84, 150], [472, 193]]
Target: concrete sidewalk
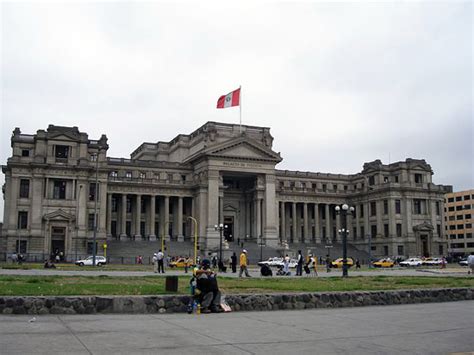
[[435, 328]]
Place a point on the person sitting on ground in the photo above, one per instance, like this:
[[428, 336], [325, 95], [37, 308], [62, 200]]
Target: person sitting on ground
[[207, 291], [48, 264]]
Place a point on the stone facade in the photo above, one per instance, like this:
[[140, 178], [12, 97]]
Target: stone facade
[[250, 302], [220, 173]]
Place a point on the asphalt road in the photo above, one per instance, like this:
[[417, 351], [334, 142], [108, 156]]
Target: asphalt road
[[253, 272], [434, 328]]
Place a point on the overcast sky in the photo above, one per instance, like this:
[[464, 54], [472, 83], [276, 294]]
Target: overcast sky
[[339, 84]]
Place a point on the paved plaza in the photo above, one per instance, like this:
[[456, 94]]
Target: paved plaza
[[435, 328]]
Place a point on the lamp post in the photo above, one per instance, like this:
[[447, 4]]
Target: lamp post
[[195, 223], [262, 244], [343, 210], [94, 247], [220, 228]]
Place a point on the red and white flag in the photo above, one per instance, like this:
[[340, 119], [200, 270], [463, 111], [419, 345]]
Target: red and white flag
[[229, 100]]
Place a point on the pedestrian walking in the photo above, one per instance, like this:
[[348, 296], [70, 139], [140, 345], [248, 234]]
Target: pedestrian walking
[[357, 264], [299, 266], [233, 262], [155, 263], [160, 256], [470, 263], [243, 264]]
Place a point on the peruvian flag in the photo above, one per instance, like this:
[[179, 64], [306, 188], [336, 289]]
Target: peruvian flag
[[229, 100]]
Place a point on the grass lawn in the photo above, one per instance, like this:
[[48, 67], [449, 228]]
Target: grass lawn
[[154, 285]]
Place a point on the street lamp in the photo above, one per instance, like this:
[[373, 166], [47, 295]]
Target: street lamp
[[195, 223], [343, 210], [220, 228], [94, 247]]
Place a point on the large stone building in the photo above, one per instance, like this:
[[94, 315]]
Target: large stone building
[[220, 173], [459, 208]]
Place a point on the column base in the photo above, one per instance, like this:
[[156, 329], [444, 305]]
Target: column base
[[180, 238], [137, 237], [123, 237], [110, 237], [152, 238]]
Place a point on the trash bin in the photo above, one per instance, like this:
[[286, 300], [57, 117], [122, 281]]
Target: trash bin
[[171, 284]]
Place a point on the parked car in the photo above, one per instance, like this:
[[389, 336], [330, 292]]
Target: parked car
[[411, 262], [384, 263], [277, 262], [432, 261], [463, 262], [181, 262], [338, 263], [99, 261]]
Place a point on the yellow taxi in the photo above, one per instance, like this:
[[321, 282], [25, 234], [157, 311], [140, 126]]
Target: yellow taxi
[[181, 262], [383, 263], [338, 263]]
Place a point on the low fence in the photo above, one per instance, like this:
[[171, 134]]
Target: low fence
[[254, 302]]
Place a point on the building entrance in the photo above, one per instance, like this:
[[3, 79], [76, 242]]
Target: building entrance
[[229, 230], [58, 237]]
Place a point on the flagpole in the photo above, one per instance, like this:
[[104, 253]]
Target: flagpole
[[240, 105]]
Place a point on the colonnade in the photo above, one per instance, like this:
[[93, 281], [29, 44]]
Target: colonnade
[[140, 216]]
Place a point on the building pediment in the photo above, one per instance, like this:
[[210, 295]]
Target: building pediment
[[59, 215], [423, 227], [242, 148]]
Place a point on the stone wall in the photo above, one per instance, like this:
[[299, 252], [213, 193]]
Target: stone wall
[[260, 302]]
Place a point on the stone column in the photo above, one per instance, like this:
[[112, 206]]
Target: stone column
[[138, 217], [283, 221], [258, 218], [212, 209], [270, 211], [367, 229], [379, 211], [109, 216], [305, 238], [357, 219], [152, 218], [123, 218], [180, 220], [338, 227], [317, 228], [328, 223], [294, 218], [166, 217], [392, 228]]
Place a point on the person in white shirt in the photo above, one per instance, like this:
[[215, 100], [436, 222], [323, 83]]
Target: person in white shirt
[[470, 263], [160, 256]]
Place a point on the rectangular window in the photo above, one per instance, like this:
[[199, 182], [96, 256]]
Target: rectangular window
[[400, 250], [142, 229], [438, 208], [373, 209], [458, 208], [467, 207], [90, 247], [451, 209], [451, 199], [418, 178], [460, 226], [354, 233], [25, 152], [92, 191], [398, 206], [458, 198], [385, 250], [372, 180], [59, 189], [24, 188], [128, 228], [468, 225], [90, 222], [467, 197], [396, 179], [440, 249], [460, 235], [113, 174], [467, 216], [385, 230], [452, 236], [334, 187], [416, 206], [22, 220], [362, 232], [452, 227], [458, 217], [324, 187], [468, 235], [113, 228], [114, 204], [61, 152], [438, 229], [399, 230], [346, 187], [21, 246], [361, 209], [128, 175], [452, 218], [470, 245], [142, 206], [385, 206], [373, 231]]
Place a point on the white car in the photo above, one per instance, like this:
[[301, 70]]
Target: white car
[[432, 261], [411, 262], [277, 262], [99, 261]]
